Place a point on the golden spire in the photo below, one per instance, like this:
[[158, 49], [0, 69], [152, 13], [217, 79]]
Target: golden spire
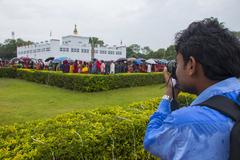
[[75, 32]]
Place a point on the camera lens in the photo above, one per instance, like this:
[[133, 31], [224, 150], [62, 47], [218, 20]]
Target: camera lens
[[171, 67]]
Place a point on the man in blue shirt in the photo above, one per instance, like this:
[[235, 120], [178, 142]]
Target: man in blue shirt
[[207, 64]]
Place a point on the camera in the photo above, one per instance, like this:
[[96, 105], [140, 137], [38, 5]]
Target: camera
[[171, 67]]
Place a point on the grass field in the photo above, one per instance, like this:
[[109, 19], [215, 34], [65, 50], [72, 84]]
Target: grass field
[[22, 101]]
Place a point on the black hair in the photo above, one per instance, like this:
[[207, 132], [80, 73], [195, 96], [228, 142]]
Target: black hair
[[213, 46]]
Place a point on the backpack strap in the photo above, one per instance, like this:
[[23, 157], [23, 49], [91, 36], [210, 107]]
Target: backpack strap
[[224, 105], [232, 110]]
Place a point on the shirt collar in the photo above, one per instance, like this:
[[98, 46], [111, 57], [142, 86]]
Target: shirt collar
[[227, 85]]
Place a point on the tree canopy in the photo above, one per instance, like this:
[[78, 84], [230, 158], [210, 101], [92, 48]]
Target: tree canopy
[[8, 49], [162, 53], [94, 41]]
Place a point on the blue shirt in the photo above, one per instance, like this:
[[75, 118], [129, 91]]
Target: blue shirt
[[193, 132]]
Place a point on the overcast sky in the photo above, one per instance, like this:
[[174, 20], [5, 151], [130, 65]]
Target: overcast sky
[[150, 23]]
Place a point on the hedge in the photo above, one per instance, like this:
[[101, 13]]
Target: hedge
[[84, 82], [110, 133], [8, 72], [185, 99]]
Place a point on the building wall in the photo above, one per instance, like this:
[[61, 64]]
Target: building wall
[[74, 47]]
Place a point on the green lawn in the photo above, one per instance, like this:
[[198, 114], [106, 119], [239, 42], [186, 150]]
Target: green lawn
[[24, 101]]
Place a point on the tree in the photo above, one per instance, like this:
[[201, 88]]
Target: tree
[[130, 52], [94, 41], [8, 49], [134, 51], [146, 50], [170, 53], [159, 54], [162, 53], [237, 34], [135, 48]]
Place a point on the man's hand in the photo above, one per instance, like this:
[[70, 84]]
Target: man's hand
[[170, 83]]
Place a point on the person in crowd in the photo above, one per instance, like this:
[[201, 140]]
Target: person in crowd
[[112, 67], [59, 66], [85, 68], [207, 64], [94, 67], [38, 66], [71, 67], [75, 66], [20, 64], [50, 66], [41, 64], [102, 67], [125, 67], [107, 68], [98, 67], [31, 64], [66, 66], [90, 67], [149, 68], [130, 67], [80, 66]]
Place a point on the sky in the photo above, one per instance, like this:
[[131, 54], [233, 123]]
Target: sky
[[152, 23]]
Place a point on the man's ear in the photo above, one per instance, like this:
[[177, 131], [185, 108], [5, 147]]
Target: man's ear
[[192, 66]]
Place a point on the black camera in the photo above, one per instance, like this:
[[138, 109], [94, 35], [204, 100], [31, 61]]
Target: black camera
[[171, 67]]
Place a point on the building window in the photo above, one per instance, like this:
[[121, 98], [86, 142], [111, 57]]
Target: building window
[[74, 49], [96, 51], [110, 52], [118, 53], [85, 50], [63, 49], [103, 52]]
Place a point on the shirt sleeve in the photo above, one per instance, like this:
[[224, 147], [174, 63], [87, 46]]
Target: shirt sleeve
[[160, 137]]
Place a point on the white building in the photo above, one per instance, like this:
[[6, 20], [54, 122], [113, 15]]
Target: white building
[[72, 46]]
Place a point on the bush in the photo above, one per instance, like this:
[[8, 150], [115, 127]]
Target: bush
[[185, 99], [110, 133], [8, 72], [88, 82]]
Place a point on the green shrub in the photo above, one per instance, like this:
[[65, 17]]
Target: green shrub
[[106, 133], [88, 82], [8, 72], [110, 133], [185, 99]]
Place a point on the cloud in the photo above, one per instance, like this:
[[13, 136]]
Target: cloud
[[146, 22]]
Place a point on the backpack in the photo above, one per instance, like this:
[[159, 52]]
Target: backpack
[[227, 107]]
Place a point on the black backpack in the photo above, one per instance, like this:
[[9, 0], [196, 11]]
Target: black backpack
[[229, 108]]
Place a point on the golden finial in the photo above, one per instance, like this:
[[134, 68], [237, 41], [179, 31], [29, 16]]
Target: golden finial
[[75, 30]]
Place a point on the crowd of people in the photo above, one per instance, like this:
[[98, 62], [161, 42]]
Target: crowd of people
[[78, 66], [4, 63]]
